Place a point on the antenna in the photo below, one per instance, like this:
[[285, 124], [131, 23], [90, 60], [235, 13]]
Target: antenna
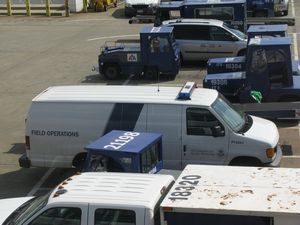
[[158, 81]]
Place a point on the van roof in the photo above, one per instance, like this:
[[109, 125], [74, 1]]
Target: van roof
[[125, 94], [130, 189], [239, 190], [194, 21]]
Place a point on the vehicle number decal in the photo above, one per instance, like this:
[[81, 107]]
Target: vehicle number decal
[[186, 185], [122, 140], [233, 66]]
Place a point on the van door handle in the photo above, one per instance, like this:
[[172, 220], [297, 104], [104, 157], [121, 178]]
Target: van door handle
[[184, 148]]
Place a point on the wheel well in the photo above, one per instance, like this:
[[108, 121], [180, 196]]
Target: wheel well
[[245, 161], [78, 161], [241, 52]]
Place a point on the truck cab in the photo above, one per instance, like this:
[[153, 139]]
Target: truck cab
[[235, 64], [260, 8], [125, 151], [233, 12], [156, 54], [268, 69]]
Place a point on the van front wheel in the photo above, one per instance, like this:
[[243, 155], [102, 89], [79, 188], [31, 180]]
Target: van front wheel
[[245, 161], [78, 161]]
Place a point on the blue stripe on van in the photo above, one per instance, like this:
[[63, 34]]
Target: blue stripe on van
[[124, 116]]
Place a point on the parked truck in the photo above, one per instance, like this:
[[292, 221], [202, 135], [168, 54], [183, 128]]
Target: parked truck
[[156, 53], [62, 120], [235, 64], [125, 151], [210, 195], [268, 69], [233, 12]]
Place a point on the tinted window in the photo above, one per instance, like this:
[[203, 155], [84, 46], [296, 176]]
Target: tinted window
[[59, 216], [114, 216], [191, 32], [219, 34], [220, 13], [200, 122], [150, 158]]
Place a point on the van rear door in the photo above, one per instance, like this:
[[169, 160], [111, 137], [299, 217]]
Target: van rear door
[[204, 138]]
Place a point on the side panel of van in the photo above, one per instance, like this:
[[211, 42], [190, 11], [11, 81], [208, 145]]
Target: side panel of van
[[166, 119], [59, 131]]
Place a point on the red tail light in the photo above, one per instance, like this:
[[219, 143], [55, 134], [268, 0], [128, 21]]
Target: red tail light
[[27, 142]]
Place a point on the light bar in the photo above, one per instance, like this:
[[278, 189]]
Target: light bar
[[186, 91]]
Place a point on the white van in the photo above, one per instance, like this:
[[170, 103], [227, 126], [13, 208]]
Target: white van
[[202, 39], [198, 125]]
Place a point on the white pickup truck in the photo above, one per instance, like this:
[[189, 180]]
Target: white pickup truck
[[210, 195]]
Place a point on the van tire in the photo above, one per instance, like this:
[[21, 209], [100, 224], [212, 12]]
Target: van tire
[[78, 161], [245, 161], [242, 52], [151, 72], [111, 71]]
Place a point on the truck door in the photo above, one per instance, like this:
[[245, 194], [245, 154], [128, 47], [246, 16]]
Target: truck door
[[101, 215], [161, 54], [221, 42], [204, 138]]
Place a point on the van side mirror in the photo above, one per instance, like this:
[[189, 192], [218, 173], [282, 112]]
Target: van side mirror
[[217, 131]]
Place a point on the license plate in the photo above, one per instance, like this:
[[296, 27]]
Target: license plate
[[140, 11]]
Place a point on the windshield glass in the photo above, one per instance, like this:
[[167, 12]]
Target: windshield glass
[[25, 211], [235, 31], [231, 116]]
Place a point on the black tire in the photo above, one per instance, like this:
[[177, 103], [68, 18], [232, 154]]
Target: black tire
[[150, 72], [242, 52], [78, 161], [245, 161], [111, 72]]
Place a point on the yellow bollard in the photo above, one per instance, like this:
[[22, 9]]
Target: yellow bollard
[[8, 6], [85, 6], [48, 12], [67, 8], [28, 11]]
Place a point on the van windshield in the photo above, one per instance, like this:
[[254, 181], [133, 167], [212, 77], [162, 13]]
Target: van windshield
[[234, 118], [25, 211]]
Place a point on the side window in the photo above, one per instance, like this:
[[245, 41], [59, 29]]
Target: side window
[[59, 216], [179, 32], [258, 61], [114, 217], [191, 32], [150, 157], [201, 122], [219, 34], [159, 45]]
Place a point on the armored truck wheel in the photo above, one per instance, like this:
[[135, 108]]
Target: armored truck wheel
[[150, 72], [111, 72]]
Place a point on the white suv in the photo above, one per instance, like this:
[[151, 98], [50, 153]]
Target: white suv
[[201, 39]]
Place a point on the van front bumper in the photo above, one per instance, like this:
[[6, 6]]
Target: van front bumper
[[24, 162], [278, 157]]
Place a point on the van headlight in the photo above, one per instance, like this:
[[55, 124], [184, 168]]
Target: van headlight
[[270, 152]]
